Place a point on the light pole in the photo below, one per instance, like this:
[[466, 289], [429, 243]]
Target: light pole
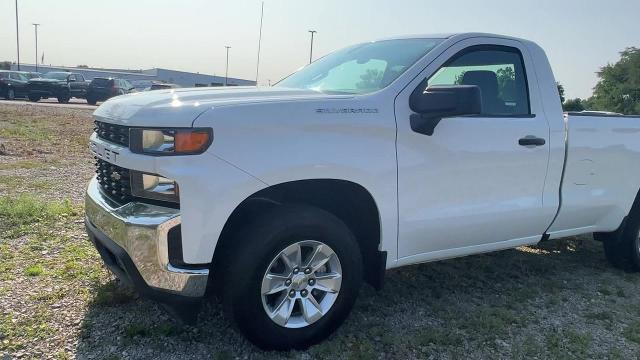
[[311, 52], [36, 27], [17, 36], [226, 72], [259, 43]]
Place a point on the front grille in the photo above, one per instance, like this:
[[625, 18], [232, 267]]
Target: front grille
[[114, 181], [118, 134]]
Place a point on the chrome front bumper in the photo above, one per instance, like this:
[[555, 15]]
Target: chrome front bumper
[[141, 231]]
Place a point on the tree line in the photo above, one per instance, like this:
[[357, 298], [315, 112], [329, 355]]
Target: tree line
[[617, 90]]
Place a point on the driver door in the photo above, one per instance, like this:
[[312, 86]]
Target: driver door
[[471, 186]]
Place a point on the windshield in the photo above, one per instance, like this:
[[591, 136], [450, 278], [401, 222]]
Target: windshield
[[56, 75], [360, 69], [101, 82]]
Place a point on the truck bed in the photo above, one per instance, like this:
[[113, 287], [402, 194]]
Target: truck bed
[[601, 150]]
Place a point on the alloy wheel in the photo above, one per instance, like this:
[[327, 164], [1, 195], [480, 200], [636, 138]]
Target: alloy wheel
[[301, 284]]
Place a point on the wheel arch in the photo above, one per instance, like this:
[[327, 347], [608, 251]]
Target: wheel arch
[[348, 201]]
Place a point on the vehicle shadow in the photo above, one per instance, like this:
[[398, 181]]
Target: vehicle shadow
[[448, 308]]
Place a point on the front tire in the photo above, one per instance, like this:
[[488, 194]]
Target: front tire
[[293, 277], [11, 94]]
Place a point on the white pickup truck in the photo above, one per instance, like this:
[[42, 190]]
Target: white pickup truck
[[283, 200]]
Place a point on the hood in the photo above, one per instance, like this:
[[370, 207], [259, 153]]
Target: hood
[[180, 107]]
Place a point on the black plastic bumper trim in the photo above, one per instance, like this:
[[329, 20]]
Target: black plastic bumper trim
[[121, 265]]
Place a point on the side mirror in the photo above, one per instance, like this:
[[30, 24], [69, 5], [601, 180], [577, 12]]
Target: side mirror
[[438, 102]]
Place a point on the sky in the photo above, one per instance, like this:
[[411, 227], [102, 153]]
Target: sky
[[579, 36]]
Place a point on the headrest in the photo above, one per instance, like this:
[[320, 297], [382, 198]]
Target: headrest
[[487, 81]]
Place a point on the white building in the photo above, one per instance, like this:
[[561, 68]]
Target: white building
[[143, 78]]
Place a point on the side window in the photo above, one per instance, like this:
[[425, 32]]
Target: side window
[[79, 77], [499, 73], [71, 78], [127, 84]]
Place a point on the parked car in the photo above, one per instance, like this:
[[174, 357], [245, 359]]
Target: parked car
[[60, 85], [385, 154], [101, 89], [13, 84], [31, 75]]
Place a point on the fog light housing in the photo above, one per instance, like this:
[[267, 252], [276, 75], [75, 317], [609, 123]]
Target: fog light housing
[[154, 187]]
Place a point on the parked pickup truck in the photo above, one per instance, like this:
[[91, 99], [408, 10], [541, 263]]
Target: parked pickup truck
[[60, 85], [284, 200]]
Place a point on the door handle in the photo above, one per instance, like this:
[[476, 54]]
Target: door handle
[[531, 140]]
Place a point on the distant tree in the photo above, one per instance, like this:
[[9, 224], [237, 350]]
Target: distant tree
[[574, 105], [618, 89], [459, 78], [370, 80], [506, 82], [561, 91], [83, 66], [5, 65]]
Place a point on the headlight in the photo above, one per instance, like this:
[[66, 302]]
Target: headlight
[[164, 142], [155, 187]]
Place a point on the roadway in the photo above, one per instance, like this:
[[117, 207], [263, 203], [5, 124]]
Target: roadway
[[52, 102]]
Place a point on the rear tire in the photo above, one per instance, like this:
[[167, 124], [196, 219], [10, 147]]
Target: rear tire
[[622, 247], [91, 101], [257, 254], [34, 98], [63, 99]]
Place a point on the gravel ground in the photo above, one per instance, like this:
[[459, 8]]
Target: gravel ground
[[559, 300]]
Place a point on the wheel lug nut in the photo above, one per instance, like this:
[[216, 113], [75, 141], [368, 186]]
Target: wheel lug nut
[[307, 271], [292, 293], [303, 293], [287, 282], [296, 270], [312, 282]]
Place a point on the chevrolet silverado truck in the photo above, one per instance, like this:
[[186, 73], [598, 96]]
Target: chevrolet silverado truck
[[60, 85], [284, 200]]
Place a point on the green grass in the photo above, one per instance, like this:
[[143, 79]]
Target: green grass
[[133, 330], [568, 344], [25, 132], [490, 323], [34, 270], [438, 337], [49, 297], [14, 182], [26, 210], [27, 164], [599, 316], [19, 331], [6, 262], [11, 181], [605, 291], [110, 294], [223, 355], [632, 332], [161, 330]]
